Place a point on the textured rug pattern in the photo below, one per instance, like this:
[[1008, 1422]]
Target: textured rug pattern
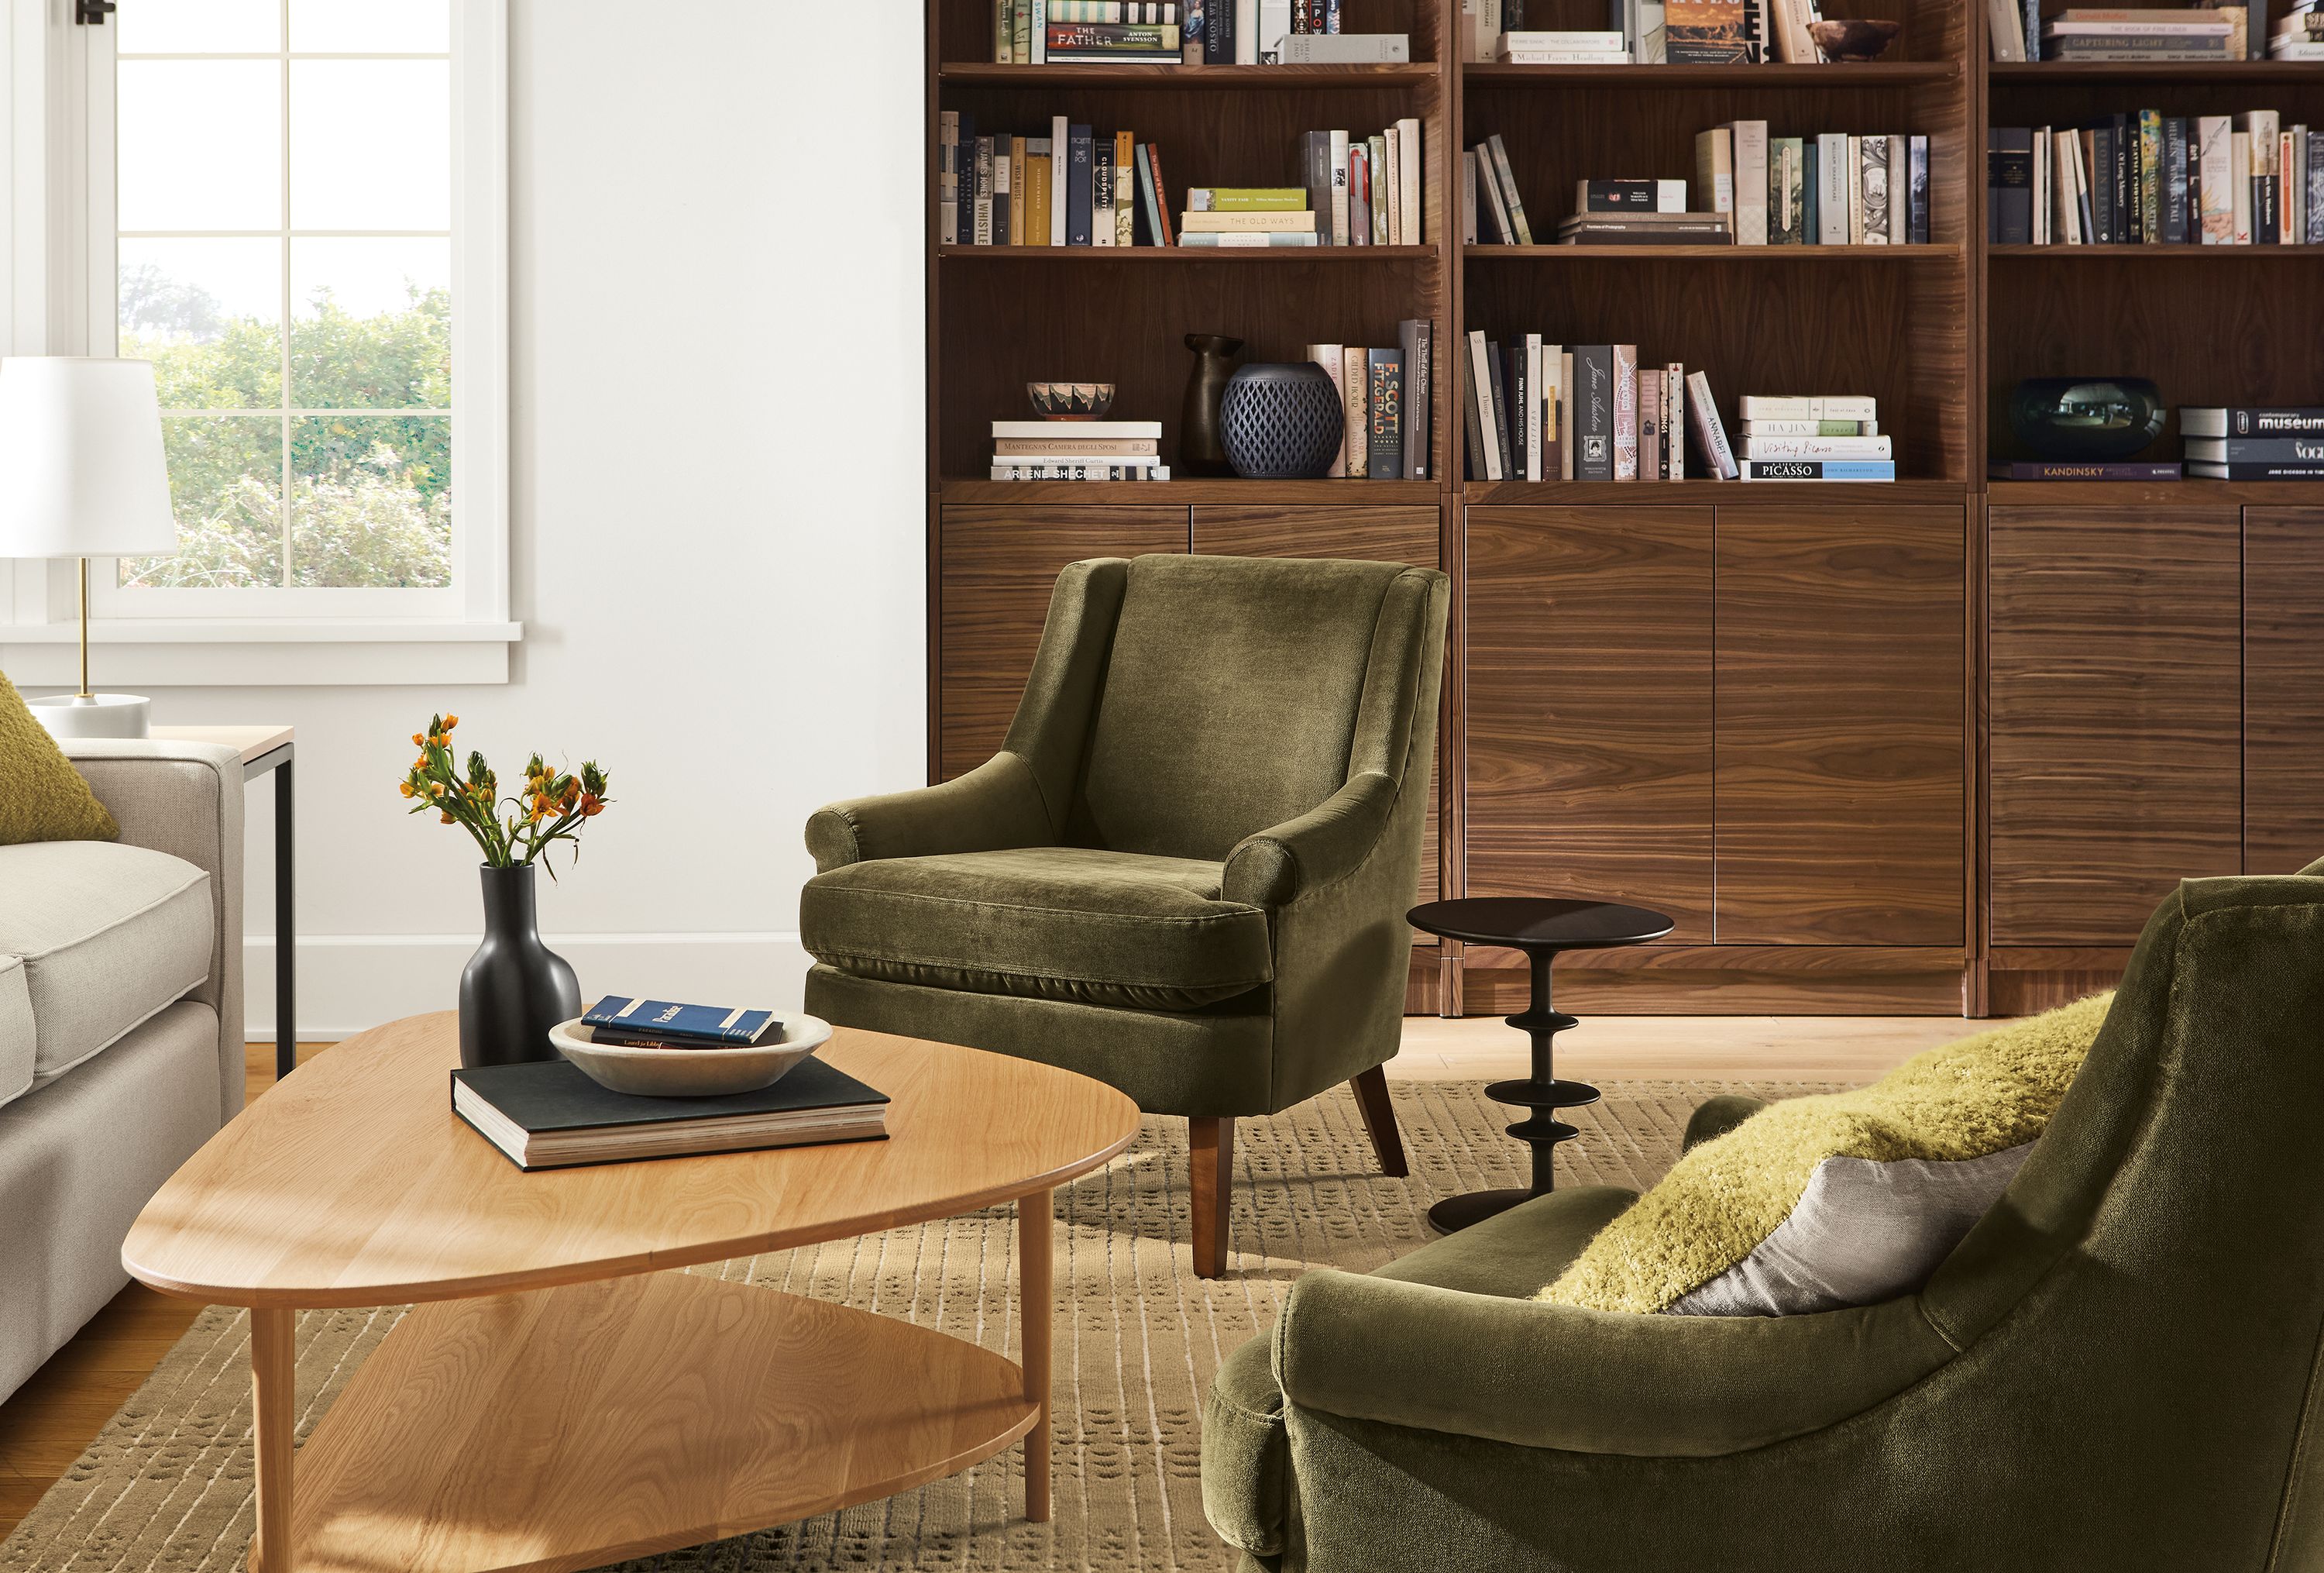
[[166, 1487]]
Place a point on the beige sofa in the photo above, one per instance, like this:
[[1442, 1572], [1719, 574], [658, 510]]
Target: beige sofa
[[120, 1031]]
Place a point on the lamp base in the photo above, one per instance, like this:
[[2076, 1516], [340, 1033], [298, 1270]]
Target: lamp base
[[97, 715]]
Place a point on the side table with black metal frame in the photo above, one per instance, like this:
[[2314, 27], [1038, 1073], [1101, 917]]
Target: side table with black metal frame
[[1542, 928], [264, 750]]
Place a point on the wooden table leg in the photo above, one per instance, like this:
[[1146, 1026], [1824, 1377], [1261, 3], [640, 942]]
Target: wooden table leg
[[272, 1387], [1036, 1248]]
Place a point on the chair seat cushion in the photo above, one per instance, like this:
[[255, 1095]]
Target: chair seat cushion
[[17, 1039], [1850, 1199], [1042, 922], [108, 935]]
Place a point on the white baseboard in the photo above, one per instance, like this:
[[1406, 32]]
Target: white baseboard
[[349, 982]]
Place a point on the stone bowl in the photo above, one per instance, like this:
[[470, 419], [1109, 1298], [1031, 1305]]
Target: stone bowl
[[689, 1072], [1856, 40], [1070, 401]]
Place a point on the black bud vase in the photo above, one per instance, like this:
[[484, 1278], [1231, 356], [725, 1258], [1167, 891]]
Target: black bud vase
[[514, 987], [1200, 451]]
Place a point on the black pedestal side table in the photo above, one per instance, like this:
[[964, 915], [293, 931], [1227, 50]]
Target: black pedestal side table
[[1542, 928]]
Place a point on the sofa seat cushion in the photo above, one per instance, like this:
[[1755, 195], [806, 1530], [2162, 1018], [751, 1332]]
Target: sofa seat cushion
[[16, 1035], [108, 935], [1042, 922]]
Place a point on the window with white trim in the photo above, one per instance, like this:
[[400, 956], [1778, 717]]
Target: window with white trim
[[281, 194]]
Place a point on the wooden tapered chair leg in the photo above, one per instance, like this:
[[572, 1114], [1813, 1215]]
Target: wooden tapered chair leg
[[1209, 1141], [1379, 1121]]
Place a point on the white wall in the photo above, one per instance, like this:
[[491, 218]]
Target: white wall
[[717, 516]]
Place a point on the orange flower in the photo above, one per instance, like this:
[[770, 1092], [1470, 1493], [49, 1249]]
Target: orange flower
[[404, 787], [591, 806], [418, 740], [446, 820], [450, 722]]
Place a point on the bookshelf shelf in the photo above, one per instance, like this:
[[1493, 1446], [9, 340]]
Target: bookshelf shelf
[[1190, 79], [1178, 494], [2188, 495], [1707, 493], [2254, 73], [1108, 255], [1730, 254], [2162, 254], [1688, 79]]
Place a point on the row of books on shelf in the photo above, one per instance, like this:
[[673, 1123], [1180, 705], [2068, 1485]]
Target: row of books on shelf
[[2146, 177], [1539, 412], [1750, 188], [1651, 32], [2219, 443], [1194, 33], [1081, 187], [1386, 400]]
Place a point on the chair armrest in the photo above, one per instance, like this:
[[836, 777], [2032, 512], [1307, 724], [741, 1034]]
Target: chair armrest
[[1273, 867], [995, 806], [185, 799], [1541, 1376]]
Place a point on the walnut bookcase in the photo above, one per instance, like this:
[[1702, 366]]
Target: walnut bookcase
[[1764, 708]]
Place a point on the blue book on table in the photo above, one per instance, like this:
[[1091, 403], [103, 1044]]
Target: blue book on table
[[654, 1021]]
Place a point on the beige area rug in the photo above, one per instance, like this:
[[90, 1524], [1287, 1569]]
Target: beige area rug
[[166, 1487]]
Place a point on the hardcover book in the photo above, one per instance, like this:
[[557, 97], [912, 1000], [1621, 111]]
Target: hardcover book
[[1474, 401], [1706, 33], [1703, 422], [1332, 357], [1626, 411], [1520, 230], [548, 1114], [1593, 412], [1650, 424], [1079, 472], [2009, 185], [2058, 471], [1414, 342], [619, 1018], [1875, 176], [1751, 181], [1497, 427], [1356, 437], [1081, 172], [2257, 472], [1386, 415], [1786, 191], [2250, 421], [1811, 469], [2270, 450], [1916, 228], [1674, 421]]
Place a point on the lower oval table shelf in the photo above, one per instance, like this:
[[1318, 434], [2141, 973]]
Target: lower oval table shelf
[[572, 1427]]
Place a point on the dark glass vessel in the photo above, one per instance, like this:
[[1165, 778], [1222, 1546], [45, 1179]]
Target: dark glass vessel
[[1200, 451]]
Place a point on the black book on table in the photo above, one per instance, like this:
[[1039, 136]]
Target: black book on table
[[548, 1114]]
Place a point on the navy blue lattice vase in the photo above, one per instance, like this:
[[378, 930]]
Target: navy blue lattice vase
[[1281, 422]]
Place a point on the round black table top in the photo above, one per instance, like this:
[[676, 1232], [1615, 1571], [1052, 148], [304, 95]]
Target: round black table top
[[1539, 922]]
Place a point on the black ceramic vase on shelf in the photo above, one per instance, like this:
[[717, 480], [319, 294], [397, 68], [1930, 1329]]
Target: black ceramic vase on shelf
[[514, 988], [1282, 422], [1200, 452]]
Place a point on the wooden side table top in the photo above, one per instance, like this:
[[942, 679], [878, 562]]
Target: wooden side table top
[[253, 741], [353, 1184]]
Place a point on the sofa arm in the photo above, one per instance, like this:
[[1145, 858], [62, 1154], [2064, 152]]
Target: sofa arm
[[1273, 867], [185, 799], [1540, 1376], [995, 806]]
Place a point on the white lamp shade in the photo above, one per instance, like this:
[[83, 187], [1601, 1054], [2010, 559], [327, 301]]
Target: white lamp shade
[[81, 468]]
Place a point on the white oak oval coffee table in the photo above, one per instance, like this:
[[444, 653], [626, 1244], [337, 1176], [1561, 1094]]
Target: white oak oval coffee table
[[556, 1399]]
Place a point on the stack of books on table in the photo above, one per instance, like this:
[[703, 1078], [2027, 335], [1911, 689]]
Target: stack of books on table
[[2300, 36], [1363, 190], [2253, 443], [2107, 33], [1078, 450], [1073, 187], [1641, 213], [1824, 436], [1580, 49], [2144, 177], [1534, 410], [1385, 395]]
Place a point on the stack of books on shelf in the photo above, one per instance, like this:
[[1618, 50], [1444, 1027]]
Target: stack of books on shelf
[[1078, 450], [1538, 411], [2088, 34], [2144, 177], [1364, 190], [1825, 437], [2283, 443], [2300, 36], [1385, 393], [1195, 33], [1609, 48], [1073, 187], [1651, 32], [1641, 213]]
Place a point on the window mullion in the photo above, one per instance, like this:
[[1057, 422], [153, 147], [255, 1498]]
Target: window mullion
[[284, 394]]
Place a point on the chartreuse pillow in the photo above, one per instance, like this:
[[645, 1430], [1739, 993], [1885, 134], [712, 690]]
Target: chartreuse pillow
[[43, 797], [1845, 1199]]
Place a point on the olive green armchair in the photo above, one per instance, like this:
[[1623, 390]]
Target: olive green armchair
[[2117, 1368], [1186, 872]]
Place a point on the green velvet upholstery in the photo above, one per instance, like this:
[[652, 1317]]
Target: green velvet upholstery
[[1186, 871], [2118, 1368]]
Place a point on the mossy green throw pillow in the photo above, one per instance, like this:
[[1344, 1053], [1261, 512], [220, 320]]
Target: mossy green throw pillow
[[1844, 1199], [42, 798]]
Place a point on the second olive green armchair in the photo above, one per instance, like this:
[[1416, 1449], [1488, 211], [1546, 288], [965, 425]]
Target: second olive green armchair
[[1186, 872]]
